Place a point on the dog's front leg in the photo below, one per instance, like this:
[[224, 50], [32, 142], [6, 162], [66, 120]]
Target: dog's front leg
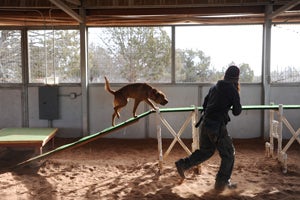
[[136, 104], [151, 104]]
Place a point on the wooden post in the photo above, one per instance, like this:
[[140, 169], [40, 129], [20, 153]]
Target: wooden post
[[195, 144], [195, 132], [159, 140], [271, 132], [283, 156], [280, 114]]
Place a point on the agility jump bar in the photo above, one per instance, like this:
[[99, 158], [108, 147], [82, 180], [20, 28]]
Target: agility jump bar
[[245, 107], [130, 121], [269, 107]]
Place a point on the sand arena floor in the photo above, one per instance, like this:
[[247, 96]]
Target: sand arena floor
[[128, 169]]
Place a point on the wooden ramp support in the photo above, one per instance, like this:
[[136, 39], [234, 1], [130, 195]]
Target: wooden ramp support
[[191, 119], [276, 126]]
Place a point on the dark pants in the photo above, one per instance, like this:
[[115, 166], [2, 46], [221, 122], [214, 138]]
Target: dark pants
[[209, 142]]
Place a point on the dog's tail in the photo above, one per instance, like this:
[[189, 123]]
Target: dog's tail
[[107, 87]]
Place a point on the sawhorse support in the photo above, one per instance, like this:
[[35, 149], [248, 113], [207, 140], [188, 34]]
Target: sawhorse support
[[193, 117], [276, 133]]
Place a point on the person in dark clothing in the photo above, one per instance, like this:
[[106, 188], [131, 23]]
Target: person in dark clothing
[[220, 99]]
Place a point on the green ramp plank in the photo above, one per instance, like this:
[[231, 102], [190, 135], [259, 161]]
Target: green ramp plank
[[86, 139], [182, 109]]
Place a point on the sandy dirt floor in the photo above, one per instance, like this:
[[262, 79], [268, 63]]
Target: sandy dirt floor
[[128, 169]]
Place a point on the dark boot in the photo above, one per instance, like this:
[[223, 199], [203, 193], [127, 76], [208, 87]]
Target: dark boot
[[180, 166]]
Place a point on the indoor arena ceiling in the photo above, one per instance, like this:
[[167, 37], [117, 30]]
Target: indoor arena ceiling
[[145, 12]]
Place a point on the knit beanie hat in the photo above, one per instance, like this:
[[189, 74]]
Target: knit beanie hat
[[232, 73]]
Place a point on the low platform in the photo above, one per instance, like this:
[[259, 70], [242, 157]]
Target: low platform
[[27, 137]]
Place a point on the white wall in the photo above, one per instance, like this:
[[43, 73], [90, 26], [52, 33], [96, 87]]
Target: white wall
[[287, 95], [101, 110], [69, 122], [248, 125], [10, 107]]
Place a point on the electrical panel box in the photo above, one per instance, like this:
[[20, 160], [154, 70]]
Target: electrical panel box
[[48, 102]]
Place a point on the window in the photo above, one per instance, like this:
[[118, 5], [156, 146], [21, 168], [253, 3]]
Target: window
[[285, 48], [204, 52], [10, 56], [130, 54], [54, 56]]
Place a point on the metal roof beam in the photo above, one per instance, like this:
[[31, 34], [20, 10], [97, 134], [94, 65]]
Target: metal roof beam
[[283, 9], [67, 10], [75, 2]]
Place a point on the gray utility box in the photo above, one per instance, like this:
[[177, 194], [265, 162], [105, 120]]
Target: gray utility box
[[48, 102]]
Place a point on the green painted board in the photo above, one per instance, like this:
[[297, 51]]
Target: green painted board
[[24, 135]]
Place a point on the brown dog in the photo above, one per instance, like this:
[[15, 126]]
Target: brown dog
[[137, 91]]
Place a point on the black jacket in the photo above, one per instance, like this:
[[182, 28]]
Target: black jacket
[[220, 98]]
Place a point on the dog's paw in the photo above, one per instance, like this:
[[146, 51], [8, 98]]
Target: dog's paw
[[156, 108]]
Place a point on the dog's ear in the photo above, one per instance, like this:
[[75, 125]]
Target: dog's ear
[[153, 93]]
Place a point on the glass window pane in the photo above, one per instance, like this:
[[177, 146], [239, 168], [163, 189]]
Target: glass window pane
[[10, 56], [285, 48], [204, 52], [130, 54], [54, 56]]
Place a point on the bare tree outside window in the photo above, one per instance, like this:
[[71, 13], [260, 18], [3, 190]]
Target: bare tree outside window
[[130, 54], [204, 52], [10, 56], [54, 56], [143, 54]]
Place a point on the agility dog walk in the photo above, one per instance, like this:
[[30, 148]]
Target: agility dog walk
[[192, 117], [102, 133]]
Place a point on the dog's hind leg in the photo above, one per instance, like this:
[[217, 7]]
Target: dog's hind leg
[[114, 115]]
